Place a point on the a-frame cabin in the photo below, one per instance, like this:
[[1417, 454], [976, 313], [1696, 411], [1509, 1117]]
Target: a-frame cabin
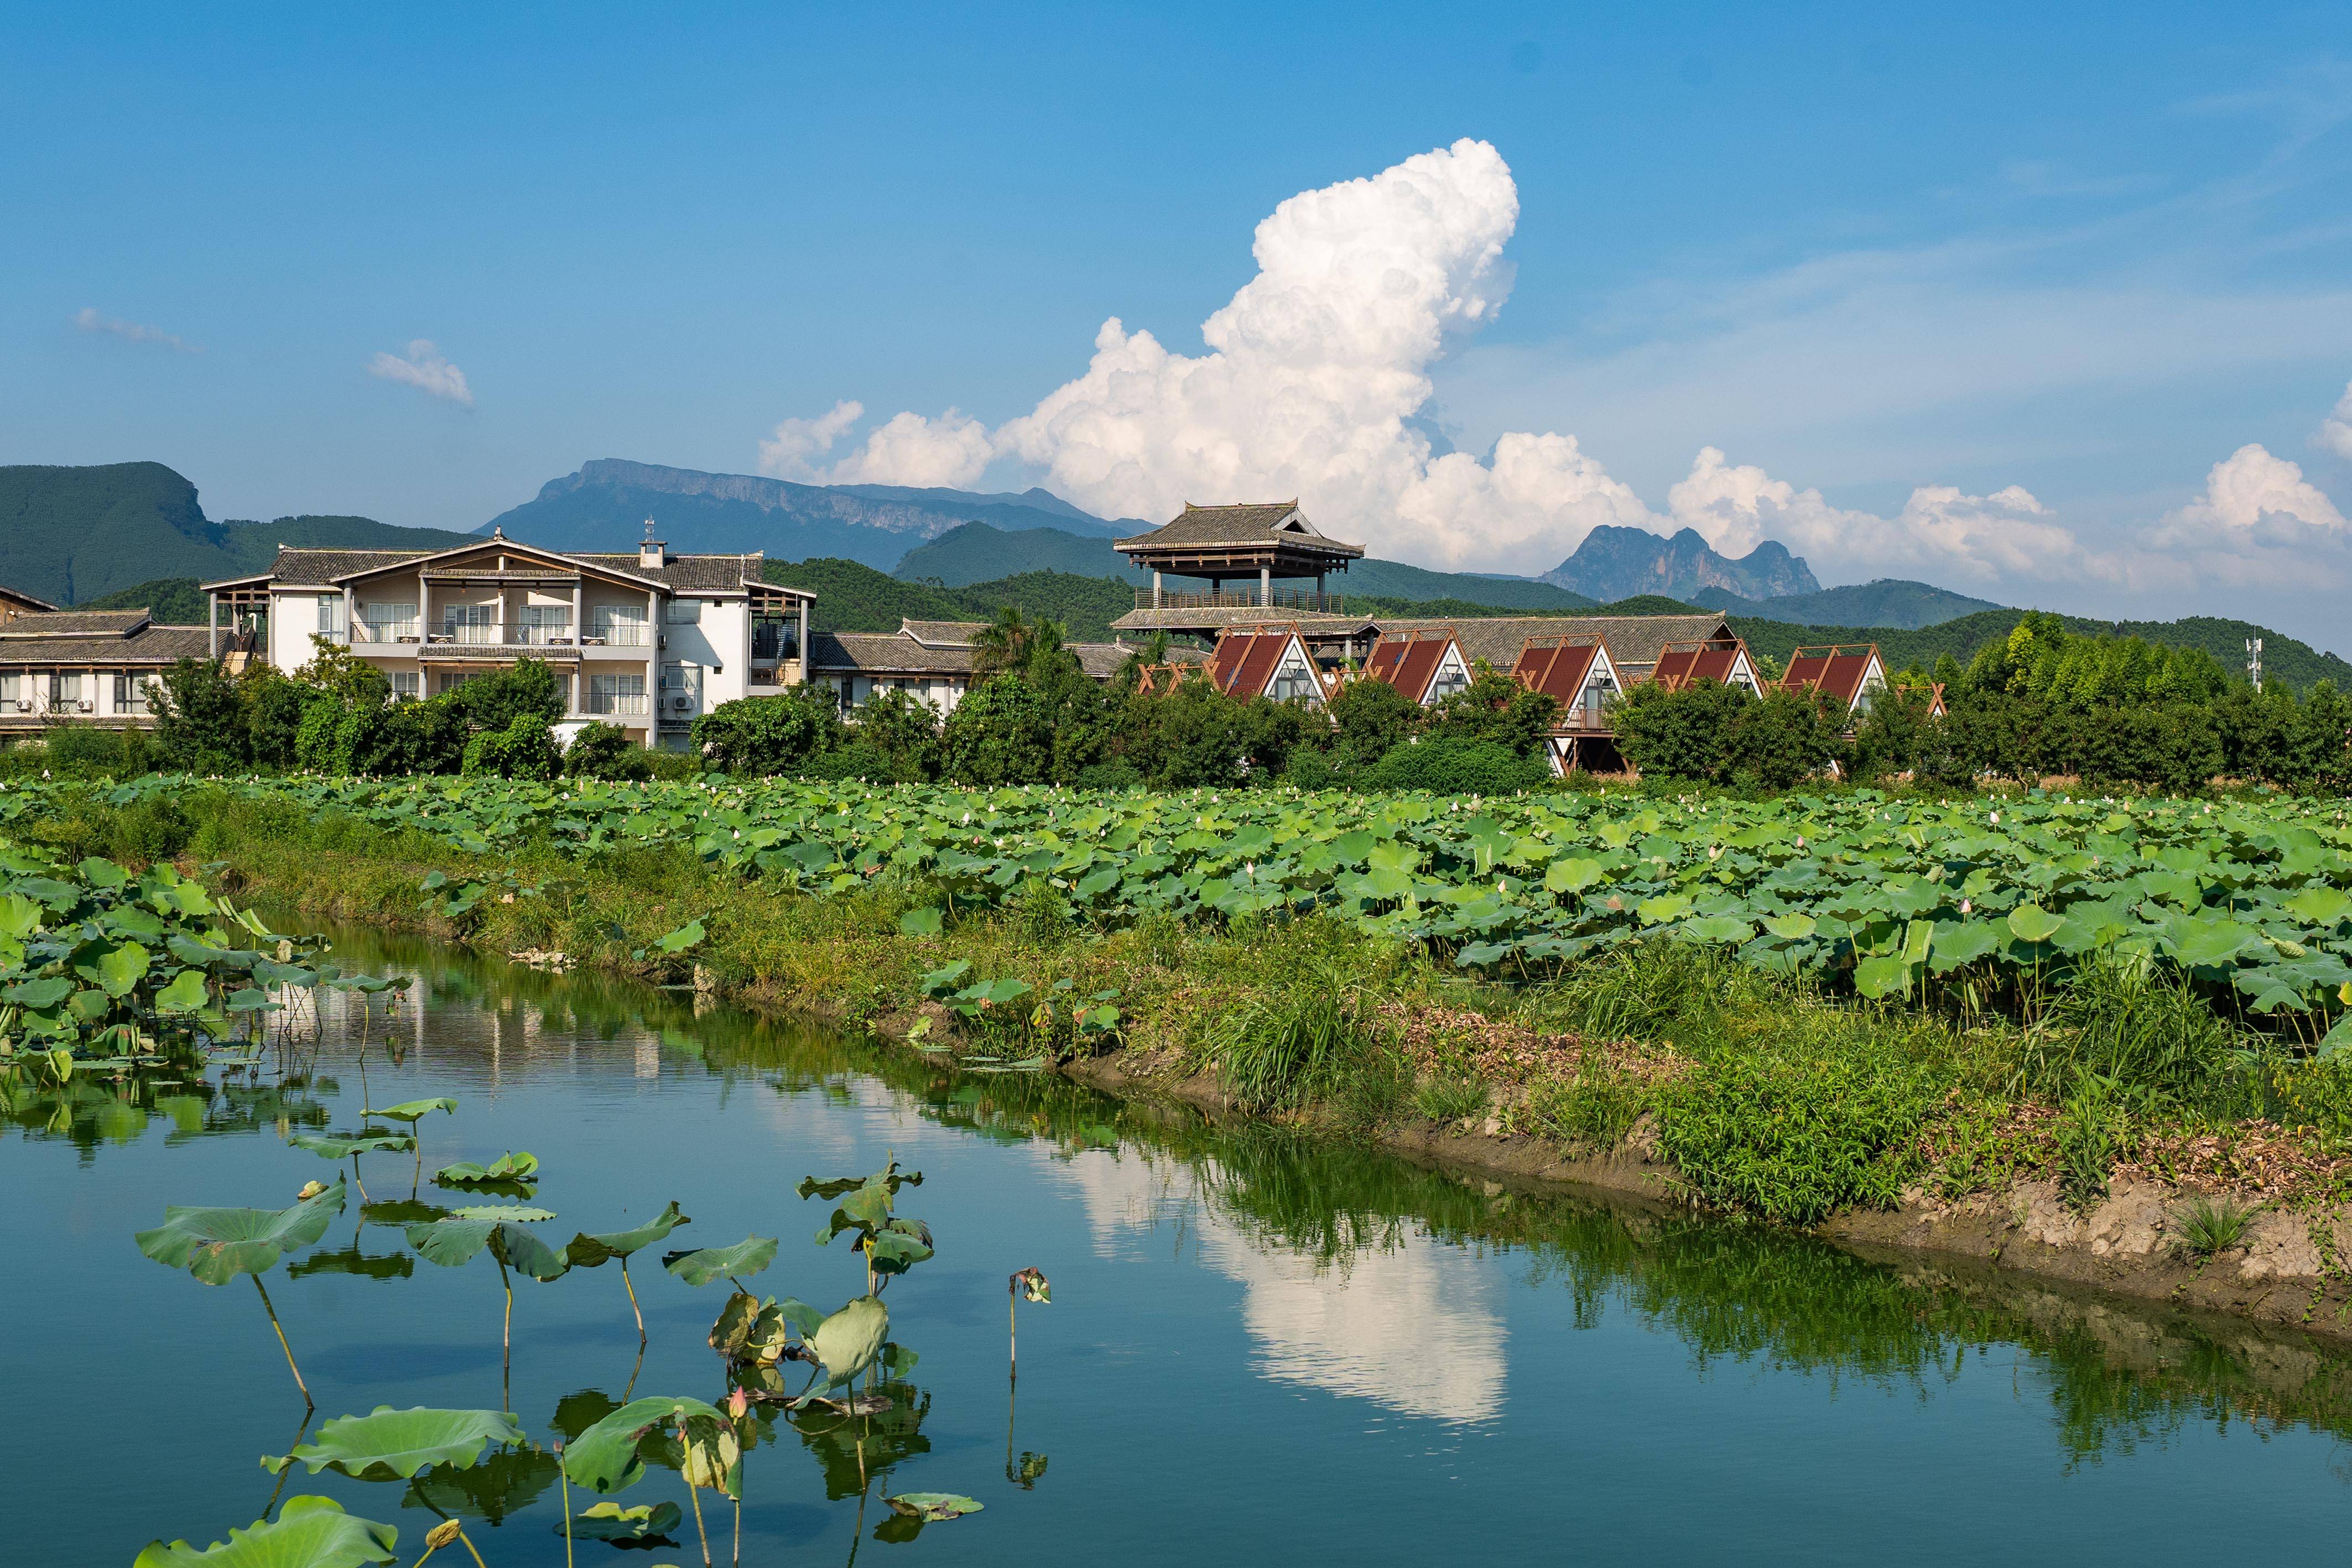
[[1267, 661], [1424, 663], [1576, 672]]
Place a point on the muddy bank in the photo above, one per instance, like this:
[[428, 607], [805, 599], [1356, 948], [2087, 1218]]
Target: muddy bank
[[2287, 1270]]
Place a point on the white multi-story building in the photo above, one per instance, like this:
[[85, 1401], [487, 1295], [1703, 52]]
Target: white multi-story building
[[648, 641]]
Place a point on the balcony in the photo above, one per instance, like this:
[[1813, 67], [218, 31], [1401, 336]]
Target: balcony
[[1305, 599]]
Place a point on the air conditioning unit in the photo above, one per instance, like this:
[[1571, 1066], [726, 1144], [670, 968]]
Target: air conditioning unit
[[86, 706], [681, 703], [24, 704]]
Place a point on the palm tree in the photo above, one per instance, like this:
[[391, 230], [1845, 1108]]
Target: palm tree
[[1003, 643]]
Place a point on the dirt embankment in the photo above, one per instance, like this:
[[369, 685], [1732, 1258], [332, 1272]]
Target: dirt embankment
[[2288, 1268]]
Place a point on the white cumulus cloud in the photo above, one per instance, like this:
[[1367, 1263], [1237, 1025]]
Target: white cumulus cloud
[[907, 449], [792, 451], [427, 369], [90, 321], [2252, 494], [1314, 385], [2335, 432]]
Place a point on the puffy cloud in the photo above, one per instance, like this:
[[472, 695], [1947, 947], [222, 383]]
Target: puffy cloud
[[2251, 494], [89, 320], [951, 450], [790, 452], [426, 369], [1939, 529], [2335, 432]]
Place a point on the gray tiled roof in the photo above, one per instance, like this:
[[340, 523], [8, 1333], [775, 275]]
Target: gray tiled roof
[[1631, 639], [687, 573], [90, 624], [682, 573], [942, 633], [859, 652], [896, 653], [1245, 524], [150, 645]]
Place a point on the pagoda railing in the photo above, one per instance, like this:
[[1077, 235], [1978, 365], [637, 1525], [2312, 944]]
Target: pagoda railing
[[1282, 598]]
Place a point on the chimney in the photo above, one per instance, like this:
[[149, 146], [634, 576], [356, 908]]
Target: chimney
[[652, 552]]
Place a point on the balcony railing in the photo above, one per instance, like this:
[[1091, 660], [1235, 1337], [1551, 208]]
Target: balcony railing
[[1306, 598]]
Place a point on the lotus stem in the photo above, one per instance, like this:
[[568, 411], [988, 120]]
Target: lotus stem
[[632, 1303], [468, 1542], [308, 1403], [694, 1496], [1013, 1330], [355, 1179], [506, 1334], [564, 1479]]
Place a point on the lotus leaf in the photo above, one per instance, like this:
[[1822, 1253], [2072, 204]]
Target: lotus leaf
[[605, 1456], [309, 1532], [929, 1506], [493, 1489], [610, 1521], [388, 1443], [413, 1111], [516, 1166], [216, 1245], [463, 1236], [698, 1268], [343, 1146], [593, 1251], [846, 1342], [2031, 923]]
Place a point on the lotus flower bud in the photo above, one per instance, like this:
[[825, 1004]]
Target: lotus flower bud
[[441, 1535], [311, 1189]]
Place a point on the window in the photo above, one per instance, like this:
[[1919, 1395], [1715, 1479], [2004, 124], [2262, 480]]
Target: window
[[616, 694], [407, 685], [621, 625], [545, 623], [446, 684], [1451, 678], [388, 623], [330, 615], [1296, 679], [683, 612], [1596, 695], [12, 693], [471, 623], [130, 694], [65, 692]]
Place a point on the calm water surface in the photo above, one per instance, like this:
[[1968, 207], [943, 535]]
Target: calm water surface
[[1257, 1345]]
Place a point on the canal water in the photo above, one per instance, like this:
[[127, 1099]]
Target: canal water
[[1259, 1348]]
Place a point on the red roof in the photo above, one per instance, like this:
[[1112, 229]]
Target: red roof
[[1679, 663], [1247, 657], [1409, 661], [1836, 670], [1557, 666]]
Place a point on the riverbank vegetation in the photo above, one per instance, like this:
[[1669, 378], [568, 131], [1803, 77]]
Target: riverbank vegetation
[[1779, 1087]]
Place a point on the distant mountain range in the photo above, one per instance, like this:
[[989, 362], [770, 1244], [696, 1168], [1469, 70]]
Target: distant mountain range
[[1615, 563], [1889, 602], [606, 504], [72, 535], [132, 533]]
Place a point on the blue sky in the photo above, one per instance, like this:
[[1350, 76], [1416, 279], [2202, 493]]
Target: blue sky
[[1862, 252]]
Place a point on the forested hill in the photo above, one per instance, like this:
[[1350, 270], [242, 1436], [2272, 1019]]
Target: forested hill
[[2295, 663], [73, 534]]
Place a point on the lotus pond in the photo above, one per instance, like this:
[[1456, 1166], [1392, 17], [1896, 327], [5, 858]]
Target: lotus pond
[[1253, 1343]]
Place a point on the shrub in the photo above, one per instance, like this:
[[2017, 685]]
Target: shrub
[[1795, 1137], [273, 707], [904, 729], [1369, 719], [605, 751], [86, 751], [769, 735], [152, 830], [1495, 710], [526, 748], [1444, 766], [858, 759], [1288, 1048], [315, 737]]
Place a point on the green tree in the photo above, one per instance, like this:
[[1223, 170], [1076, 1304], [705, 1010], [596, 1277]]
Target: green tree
[[1496, 710], [202, 726], [526, 687], [1001, 733], [273, 706], [335, 669], [1682, 733], [768, 735], [903, 730], [1782, 737]]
